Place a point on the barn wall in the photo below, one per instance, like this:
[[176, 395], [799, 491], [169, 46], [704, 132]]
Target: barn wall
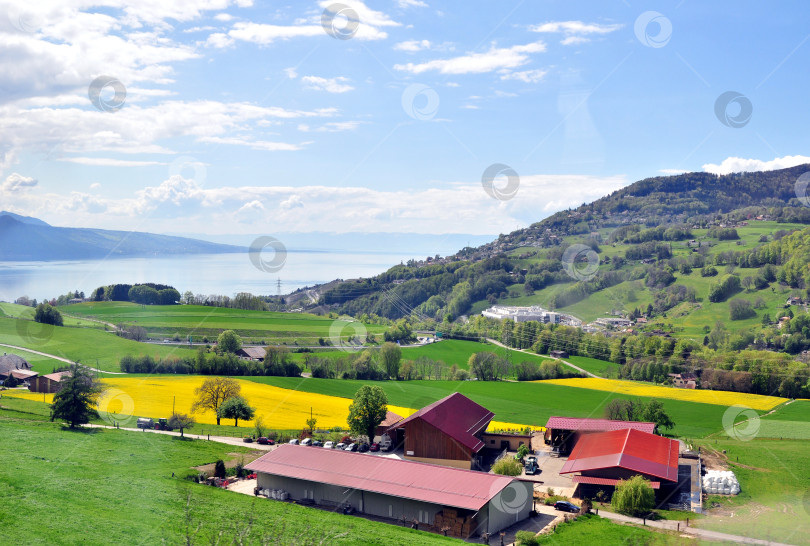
[[376, 504], [425, 440], [510, 505], [455, 463]]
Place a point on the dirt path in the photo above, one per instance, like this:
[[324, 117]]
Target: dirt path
[[221, 439], [586, 372], [59, 358]]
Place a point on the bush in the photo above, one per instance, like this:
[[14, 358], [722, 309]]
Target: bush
[[633, 497], [507, 466], [526, 538], [219, 469]]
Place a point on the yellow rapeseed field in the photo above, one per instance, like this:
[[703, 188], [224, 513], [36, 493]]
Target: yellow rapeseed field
[[720, 398], [280, 408]]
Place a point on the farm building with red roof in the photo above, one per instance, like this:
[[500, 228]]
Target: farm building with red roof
[[447, 432], [562, 433], [604, 458], [467, 502]]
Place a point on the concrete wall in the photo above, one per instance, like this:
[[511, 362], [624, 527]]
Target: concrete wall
[[511, 505], [493, 440], [376, 504], [464, 465]]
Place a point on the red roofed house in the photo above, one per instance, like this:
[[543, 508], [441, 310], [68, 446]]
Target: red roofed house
[[447, 432], [390, 420], [50, 383], [604, 458], [467, 502], [562, 433]]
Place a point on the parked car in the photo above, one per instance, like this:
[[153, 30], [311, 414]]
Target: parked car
[[317, 443], [340, 445], [351, 447], [566, 506], [374, 447], [248, 439], [294, 441], [306, 442], [264, 441], [362, 448]]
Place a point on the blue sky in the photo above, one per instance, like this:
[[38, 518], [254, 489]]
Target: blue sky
[[248, 117]]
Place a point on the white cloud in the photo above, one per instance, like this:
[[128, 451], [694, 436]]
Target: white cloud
[[574, 40], [527, 76], [478, 63], [255, 144], [412, 45], [574, 27], [16, 182], [109, 162], [738, 164], [95, 186], [671, 171], [330, 85], [411, 4], [223, 17], [219, 40], [291, 73], [331, 127], [322, 208]]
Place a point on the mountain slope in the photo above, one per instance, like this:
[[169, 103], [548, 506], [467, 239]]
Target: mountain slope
[[34, 240], [651, 238]]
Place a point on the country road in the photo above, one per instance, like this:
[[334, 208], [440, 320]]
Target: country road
[[586, 372], [61, 359]]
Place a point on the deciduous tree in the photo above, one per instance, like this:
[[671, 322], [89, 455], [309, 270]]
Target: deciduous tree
[[236, 407], [368, 410], [181, 421], [213, 393]]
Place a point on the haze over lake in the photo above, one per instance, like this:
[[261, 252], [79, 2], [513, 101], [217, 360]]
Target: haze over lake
[[206, 274]]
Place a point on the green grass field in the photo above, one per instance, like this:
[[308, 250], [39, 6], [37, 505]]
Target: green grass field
[[527, 403], [200, 321], [773, 503], [592, 529], [116, 487], [91, 347], [593, 365], [12, 310]]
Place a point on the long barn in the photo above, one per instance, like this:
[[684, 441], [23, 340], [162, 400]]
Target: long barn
[[466, 502]]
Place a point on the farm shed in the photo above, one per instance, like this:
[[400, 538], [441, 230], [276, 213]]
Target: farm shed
[[50, 383], [467, 502], [390, 420], [604, 458], [252, 353], [563, 433], [10, 363], [447, 432]]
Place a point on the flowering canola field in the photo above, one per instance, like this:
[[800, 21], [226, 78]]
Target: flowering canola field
[[280, 408], [720, 398]]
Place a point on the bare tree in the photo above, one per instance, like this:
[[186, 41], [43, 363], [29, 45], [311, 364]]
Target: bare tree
[[213, 393]]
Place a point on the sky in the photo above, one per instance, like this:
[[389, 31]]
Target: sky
[[213, 117]]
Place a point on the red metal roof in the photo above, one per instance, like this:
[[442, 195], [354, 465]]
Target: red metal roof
[[408, 479], [596, 425], [23, 374], [629, 449], [391, 419], [457, 416], [606, 481]]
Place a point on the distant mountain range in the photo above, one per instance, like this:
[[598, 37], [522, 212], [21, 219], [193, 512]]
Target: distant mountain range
[[23, 238]]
